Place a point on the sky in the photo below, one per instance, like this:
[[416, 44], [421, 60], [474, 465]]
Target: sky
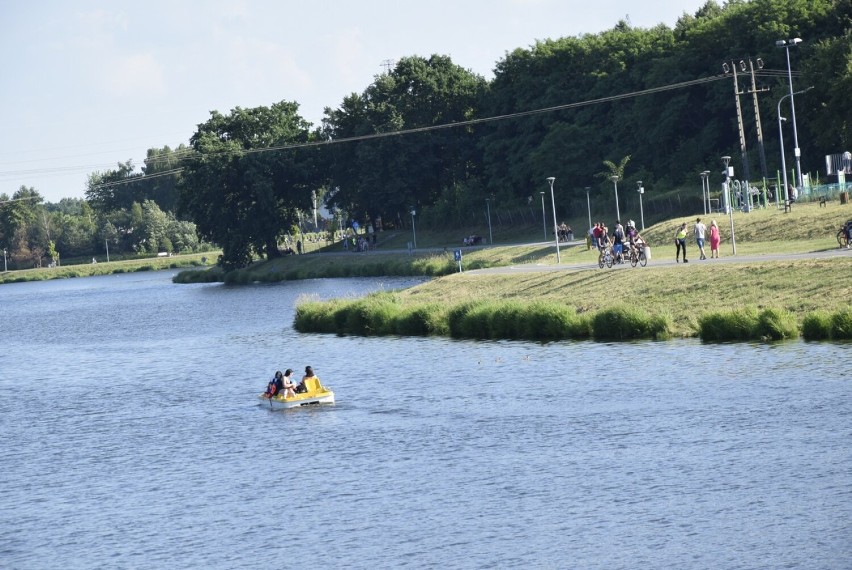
[[87, 84]]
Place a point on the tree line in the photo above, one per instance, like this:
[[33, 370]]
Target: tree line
[[432, 137]]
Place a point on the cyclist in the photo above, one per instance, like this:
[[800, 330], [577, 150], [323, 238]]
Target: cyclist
[[618, 242], [636, 241]]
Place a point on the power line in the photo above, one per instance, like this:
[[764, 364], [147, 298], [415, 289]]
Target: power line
[[471, 122]]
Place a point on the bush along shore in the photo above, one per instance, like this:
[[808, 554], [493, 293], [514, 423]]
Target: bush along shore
[[384, 313], [106, 268]]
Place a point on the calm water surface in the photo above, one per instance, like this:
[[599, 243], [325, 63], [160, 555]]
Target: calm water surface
[[131, 438]]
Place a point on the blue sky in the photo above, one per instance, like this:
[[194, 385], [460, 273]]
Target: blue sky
[[87, 84]]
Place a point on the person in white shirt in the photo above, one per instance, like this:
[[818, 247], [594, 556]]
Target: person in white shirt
[[699, 230]]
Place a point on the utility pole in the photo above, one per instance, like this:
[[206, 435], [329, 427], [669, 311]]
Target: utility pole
[[743, 151], [387, 64], [754, 91]]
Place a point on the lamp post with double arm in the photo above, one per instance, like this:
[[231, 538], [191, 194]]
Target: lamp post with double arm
[[786, 45]]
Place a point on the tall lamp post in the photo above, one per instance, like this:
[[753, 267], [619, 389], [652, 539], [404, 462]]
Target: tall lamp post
[[589, 206], [555, 233], [705, 194], [641, 191], [787, 44], [543, 220], [781, 139], [614, 179], [413, 230], [488, 208], [727, 161]]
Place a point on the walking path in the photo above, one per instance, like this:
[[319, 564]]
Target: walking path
[[662, 259]]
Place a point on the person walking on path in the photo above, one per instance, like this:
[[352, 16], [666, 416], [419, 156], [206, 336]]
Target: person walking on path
[[699, 230], [680, 243], [714, 240]]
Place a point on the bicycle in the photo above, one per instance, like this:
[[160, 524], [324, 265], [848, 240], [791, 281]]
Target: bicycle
[[842, 235], [637, 256], [605, 257]]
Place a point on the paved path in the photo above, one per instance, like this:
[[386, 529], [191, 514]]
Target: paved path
[[660, 256], [665, 256]]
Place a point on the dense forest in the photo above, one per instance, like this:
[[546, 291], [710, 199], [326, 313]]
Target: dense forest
[[653, 105]]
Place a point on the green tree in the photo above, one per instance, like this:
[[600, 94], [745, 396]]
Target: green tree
[[113, 189], [386, 176], [161, 176], [829, 70], [20, 232], [242, 198]]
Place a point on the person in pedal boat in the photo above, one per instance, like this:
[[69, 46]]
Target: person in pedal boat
[[275, 385], [288, 385], [309, 373]]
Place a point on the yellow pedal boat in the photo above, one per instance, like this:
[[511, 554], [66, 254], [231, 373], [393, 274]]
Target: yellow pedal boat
[[316, 394]]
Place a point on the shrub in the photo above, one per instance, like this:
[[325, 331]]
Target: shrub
[[739, 324], [317, 317], [776, 324], [816, 326], [422, 320], [553, 321], [841, 324], [458, 320], [507, 320], [623, 323], [380, 312]]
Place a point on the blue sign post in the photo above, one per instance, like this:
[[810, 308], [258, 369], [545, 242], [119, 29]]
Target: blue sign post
[[458, 257]]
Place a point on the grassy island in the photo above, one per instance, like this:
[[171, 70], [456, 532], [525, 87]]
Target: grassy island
[[776, 287]]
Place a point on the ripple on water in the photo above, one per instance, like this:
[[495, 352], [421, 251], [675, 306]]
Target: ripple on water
[[440, 453]]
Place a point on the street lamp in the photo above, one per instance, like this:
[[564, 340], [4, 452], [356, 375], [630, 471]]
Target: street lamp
[[614, 179], [543, 220], [488, 207], [787, 44], [781, 139], [413, 230], [727, 161], [641, 211], [555, 232], [589, 207]]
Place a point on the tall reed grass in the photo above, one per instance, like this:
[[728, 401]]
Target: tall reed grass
[[383, 314], [822, 325], [748, 324]]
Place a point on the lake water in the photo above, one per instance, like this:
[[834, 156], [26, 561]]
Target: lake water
[[132, 438]]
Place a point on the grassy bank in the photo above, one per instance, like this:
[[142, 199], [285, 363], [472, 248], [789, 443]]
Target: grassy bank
[[807, 228], [766, 300], [107, 268]]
